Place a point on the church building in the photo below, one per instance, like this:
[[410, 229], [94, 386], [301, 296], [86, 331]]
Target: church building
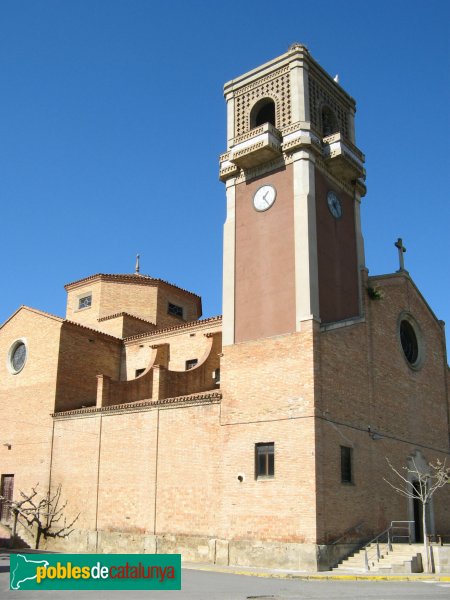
[[259, 437]]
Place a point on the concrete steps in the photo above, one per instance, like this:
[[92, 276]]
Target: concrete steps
[[5, 536], [404, 558]]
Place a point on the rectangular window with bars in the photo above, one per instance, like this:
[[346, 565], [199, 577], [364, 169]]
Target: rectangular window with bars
[[85, 302], [174, 310], [264, 460]]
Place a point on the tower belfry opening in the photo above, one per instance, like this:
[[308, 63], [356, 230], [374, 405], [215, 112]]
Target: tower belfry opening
[[329, 122], [263, 112]]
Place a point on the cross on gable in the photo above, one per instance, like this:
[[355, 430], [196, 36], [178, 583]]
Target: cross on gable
[[401, 250]]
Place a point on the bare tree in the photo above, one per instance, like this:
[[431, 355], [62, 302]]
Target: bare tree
[[15, 507], [421, 484], [47, 514]]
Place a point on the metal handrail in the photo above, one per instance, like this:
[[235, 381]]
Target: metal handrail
[[346, 532], [408, 527], [390, 536]]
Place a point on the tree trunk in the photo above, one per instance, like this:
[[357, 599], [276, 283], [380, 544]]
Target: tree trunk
[[426, 562], [38, 538], [14, 531]]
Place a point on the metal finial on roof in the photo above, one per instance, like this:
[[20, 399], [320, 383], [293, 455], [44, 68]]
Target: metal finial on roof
[[136, 269]]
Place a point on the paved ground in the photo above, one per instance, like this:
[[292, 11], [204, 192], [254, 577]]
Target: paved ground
[[358, 574], [264, 585]]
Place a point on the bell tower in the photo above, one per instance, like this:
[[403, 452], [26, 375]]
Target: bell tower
[[294, 178]]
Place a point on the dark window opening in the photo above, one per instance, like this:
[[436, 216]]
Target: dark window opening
[[139, 372], [263, 112], [265, 460], [176, 311], [19, 357], [346, 465], [6, 490], [190, 364], [85, 302], [329, 122], [408, 339], [217, 376]]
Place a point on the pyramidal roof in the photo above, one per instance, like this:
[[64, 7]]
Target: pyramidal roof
[[126, 278]]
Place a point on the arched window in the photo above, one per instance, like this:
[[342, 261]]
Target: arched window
[[329, 122], [263, 112]]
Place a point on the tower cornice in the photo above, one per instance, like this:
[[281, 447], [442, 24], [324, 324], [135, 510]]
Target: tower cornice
[[297, 56]]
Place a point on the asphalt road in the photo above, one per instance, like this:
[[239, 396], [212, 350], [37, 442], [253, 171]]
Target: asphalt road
[[206, 585]]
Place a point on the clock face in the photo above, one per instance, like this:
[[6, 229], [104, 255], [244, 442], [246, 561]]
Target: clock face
[[264, 197], [334, 205]]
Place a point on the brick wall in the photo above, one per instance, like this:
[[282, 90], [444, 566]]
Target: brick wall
[[190, 304], [83, 355], [124, 325], [167, 455], [189, 462], [269, 379], [86, 316], [127, 472], [336, 254], [365, 380], [184, 343], [75, 466], [201, 377], [268, 396], [160, 381], [280, 509], [137, 299], [265, 280], [27, 399]]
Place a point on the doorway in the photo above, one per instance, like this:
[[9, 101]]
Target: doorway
[[6, 490], [417, 515]]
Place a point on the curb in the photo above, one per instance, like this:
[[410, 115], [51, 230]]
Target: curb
[[317, 576]]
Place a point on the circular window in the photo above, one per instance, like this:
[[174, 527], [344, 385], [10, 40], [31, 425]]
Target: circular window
[[17, 356], [409, 342]]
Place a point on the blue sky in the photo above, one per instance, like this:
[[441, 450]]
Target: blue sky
[[112, 119]]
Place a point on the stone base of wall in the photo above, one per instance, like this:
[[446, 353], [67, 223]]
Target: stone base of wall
[[440, 558], [329, 556], [275, 555], [198, 549]]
